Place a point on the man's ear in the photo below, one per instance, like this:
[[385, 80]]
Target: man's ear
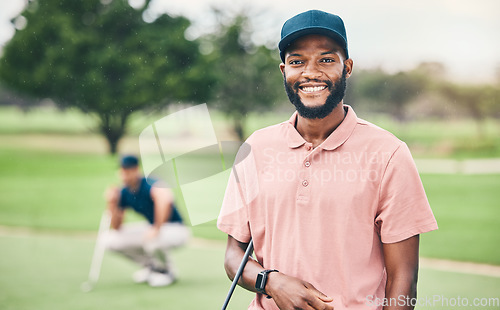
[[282, 68], [348, 64]]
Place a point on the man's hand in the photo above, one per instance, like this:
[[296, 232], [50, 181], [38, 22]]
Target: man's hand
[[151, 234], [112, 194], [290, 293]]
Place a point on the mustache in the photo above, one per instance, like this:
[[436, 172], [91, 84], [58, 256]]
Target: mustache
[[327, 82]]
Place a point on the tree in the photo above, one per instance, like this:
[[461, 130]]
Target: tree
[[103, 58], [247, 75], [392, 92], [479, 101]]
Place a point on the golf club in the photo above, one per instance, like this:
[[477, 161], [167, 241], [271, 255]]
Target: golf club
[[100, 247], [248, 252]]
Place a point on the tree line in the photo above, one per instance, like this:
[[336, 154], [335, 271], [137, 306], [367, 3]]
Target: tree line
[[423, 93]]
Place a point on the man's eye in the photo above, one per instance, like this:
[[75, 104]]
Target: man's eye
[[328, 60], [295, 62]]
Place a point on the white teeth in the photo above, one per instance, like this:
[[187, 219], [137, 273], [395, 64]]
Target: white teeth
[[313, 89]]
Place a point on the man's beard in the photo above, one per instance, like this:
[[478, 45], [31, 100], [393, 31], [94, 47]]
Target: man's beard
[[337, 92]]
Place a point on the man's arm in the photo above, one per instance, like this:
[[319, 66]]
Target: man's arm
[[112, 196], [287, 292], [163, 199], [401, 263]]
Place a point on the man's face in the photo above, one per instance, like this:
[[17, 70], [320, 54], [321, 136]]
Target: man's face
[[315, 73], [129, 176]]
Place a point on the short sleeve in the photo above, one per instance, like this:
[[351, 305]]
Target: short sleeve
[[241, 190], [403, 210]]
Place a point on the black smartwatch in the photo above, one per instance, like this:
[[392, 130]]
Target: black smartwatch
[[260, 284]]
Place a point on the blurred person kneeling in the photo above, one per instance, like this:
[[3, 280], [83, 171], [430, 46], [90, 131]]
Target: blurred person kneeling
[[146, 243]]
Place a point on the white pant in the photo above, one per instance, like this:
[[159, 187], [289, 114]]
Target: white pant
[[130, 241]]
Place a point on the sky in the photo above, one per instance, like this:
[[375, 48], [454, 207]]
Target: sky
[[392, 34]]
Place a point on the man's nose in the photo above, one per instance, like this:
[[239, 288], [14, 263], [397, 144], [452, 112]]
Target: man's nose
[[311, 71]]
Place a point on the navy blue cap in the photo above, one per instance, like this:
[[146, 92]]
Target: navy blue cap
[[313, 22], [129, 161]]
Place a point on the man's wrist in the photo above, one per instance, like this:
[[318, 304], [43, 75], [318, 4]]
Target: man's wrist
[[270, 283], [261, 283]]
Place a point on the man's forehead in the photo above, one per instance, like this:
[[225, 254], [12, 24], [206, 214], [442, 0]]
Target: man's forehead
[[315, 42]]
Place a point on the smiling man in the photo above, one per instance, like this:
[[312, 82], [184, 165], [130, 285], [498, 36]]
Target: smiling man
[[334, 204]]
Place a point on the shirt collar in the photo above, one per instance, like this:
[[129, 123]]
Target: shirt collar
[[334, 140], [293, 137]]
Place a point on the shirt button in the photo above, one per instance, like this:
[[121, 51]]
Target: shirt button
[[307, 164], [305, 183]]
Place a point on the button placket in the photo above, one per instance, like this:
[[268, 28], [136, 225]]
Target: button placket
[[304, 188], [307, 164]]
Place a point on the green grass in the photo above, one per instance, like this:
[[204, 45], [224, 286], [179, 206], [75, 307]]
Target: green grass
[[44, 120], [441, 285], [52, 190], [456, 138], [44, 272], [432, 138], [468, 213], [59, 191], [63, 191]]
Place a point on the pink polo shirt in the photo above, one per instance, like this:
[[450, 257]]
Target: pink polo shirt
[[322, 214]]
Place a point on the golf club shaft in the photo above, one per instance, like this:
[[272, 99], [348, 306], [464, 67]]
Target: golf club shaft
[[95, 267], [248, 252]]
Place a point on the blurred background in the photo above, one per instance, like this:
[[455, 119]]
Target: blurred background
[[80, 80]]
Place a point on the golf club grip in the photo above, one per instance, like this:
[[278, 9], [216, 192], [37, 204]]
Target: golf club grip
[[248, 252]]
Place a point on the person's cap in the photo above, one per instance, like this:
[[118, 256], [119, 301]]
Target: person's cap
[[129, 161], [313, 22]]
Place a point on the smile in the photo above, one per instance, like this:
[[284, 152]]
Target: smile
[[312, 89]]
